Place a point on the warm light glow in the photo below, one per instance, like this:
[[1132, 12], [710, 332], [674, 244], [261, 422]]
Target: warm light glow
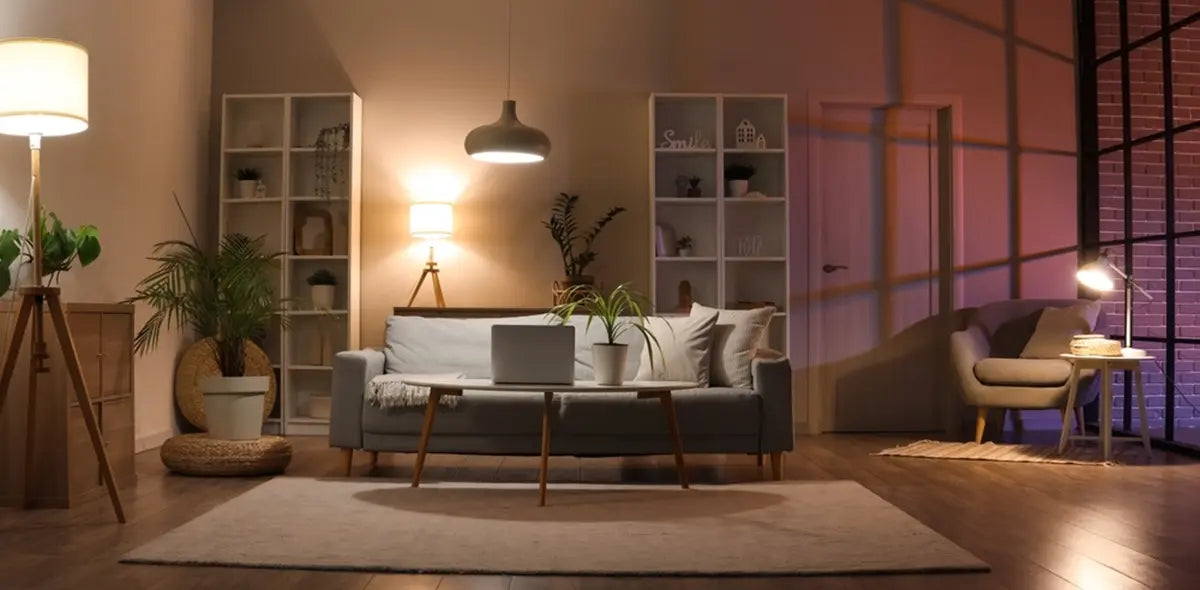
[[507, 157], [433, 184], [43, 87], [431, 221], [1096, 277]]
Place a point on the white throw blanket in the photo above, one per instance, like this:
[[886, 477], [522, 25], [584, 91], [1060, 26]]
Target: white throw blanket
[[389, 392]]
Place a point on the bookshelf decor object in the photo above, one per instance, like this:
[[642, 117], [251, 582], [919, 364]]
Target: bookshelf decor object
[[719, 175], [308, 151]]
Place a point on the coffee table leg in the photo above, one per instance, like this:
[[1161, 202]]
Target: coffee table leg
[[426, 430], [673, 428], [545, 447]]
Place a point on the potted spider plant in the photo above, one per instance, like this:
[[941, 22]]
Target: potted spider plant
[[322, 283], [247, 181], [226, 296], [618, 312]]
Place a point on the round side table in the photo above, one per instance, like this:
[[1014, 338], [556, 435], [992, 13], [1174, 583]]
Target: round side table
[[1105, 365]]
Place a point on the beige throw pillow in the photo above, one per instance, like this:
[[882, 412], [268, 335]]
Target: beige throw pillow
[[736, 337], [686, 342], [1056, 326]]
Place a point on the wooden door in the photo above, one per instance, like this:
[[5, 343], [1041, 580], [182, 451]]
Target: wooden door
[[876, 355], [116, 354], [116, 426], [85, 331], [83, 469]]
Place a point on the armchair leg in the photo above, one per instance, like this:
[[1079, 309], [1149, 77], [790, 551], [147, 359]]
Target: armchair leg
[[1079, 419], [980, 423], [777, 466], [347, 461]]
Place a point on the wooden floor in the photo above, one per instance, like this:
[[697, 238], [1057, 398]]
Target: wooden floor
[[1039, 526]]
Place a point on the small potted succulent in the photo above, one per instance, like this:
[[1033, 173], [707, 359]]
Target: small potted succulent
[[683, 246], [693, 190], [322, 285], [619, 311], [738, 177], [247, 182]]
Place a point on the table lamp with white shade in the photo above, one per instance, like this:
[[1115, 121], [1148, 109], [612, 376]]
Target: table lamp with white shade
[[430, 221], [1098, 276], [44, 93]]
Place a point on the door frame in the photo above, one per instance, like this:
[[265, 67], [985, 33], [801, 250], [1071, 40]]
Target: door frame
[[950, 114]]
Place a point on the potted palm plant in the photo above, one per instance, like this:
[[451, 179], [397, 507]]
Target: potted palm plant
[[618, 312], [227, 298]]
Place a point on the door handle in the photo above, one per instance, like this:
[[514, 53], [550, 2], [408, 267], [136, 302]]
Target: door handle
[[829, 268]]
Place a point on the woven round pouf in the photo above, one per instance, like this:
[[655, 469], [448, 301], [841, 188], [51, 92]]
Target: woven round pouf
[[198, 454]]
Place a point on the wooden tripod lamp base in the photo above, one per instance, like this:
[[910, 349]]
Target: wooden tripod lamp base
[[430, 270], [32, 301]]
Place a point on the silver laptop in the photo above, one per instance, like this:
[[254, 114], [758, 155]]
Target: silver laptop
[[533, 354]]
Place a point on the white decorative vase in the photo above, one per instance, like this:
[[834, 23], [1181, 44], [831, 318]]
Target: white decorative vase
[[233, 406], [738, 188], [608, 362], [322, 296], [246, 188]]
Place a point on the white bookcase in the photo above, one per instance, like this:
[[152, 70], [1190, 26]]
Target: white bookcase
[[276, 134], [740, 248]]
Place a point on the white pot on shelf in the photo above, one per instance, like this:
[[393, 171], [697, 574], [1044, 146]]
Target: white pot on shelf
[[246, 188], [608, 362], [738, 188], [233, 406], [685, 252], [322, 296]]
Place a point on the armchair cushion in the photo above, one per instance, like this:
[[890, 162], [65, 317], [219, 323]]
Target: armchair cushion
[[1057, 326], [1023, 372]]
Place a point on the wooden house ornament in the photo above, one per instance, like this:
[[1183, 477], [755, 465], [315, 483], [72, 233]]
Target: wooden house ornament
[[745, 134]]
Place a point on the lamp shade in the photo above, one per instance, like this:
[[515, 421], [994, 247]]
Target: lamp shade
[[431, 221], [1096, 275], [507, 141], [43, 87]]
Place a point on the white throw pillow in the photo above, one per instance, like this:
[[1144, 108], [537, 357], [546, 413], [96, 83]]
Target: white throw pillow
[[737, 336], [1055, 328], [686, 343]]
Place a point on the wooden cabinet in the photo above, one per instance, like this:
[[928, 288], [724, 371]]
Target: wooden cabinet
[[65, 469]]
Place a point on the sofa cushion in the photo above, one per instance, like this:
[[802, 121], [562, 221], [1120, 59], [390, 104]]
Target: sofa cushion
[[685, 343], [737, 336], [701, 412], [1023, 372]]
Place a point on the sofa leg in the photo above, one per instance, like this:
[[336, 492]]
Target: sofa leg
[[347, 461], [980, 423], [374, 459], [776, 466], [758, 460]]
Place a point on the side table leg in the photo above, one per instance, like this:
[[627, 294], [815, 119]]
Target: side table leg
[[1141, 393], [673, 428], [1106, 413], [549, 407], [426, 430], [1068, 411]]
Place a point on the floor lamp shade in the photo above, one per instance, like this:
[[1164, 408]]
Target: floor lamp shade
[[508, 140], [43, 87], [431, 221]]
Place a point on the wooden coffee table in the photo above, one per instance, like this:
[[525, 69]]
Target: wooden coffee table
[[644, 389]]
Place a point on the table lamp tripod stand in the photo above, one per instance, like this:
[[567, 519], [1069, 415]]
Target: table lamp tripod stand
[[58, 70]]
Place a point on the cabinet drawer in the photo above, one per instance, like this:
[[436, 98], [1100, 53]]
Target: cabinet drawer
[[117, 428], [83, 469], [116, 354], [85, 331]]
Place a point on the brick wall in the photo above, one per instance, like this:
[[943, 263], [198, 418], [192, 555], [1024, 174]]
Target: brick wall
[[1149, 190]]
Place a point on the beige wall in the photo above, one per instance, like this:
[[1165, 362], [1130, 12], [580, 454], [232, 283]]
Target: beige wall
[[150, 79]]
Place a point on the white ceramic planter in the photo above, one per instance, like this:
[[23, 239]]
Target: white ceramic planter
[[738, 188], [322, 296], [608, 362], [233, 406], [685, 252], [246, 188]]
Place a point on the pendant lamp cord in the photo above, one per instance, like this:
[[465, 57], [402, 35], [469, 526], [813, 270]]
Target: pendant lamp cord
[[508, 80]]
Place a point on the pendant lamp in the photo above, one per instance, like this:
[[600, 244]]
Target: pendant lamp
[[507, 141]]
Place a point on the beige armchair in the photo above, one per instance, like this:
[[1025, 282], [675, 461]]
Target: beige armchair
[[986, 358]]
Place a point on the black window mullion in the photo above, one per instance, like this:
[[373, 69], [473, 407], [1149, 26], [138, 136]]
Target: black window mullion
[[1169, 171], [1127, 198]]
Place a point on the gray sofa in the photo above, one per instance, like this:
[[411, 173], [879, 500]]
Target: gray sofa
[[757, 420], [986, 356]]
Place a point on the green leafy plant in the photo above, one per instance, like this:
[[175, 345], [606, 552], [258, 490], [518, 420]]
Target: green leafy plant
[[248, 174], [61, 248], [322, 277], [564, 228], [684, 242], [739, 171], [226, 295], [694, 181], [619, 311]]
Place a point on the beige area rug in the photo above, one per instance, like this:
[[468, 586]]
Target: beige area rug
[[933, 449], [769, 528]]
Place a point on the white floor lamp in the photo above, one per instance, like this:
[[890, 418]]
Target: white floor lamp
[[44, 93]]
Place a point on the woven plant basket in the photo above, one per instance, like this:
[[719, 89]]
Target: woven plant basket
[[198, 364]]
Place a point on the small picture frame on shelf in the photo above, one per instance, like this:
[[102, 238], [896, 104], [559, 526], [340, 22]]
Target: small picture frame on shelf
[[312, 232]]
